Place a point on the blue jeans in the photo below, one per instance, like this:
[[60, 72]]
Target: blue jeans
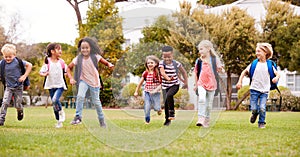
[[258, 102], [151, 99], [205, 101], [55, 94], [94, 93]]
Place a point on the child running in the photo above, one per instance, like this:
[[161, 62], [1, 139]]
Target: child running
[[169, 70], [53, 70], [260, 82], [13, 79], [206, 68], [86, 77], [152, 87]]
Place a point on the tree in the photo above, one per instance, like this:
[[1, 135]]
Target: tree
[[75, 5], [281, 29]]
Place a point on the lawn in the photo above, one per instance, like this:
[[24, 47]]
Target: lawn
[[231, 134]]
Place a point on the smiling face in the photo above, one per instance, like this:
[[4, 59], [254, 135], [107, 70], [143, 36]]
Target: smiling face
[[8, 57], [203, 51], [260, 54], [167, 57], [57, 51], [85, 48], [151, 64]]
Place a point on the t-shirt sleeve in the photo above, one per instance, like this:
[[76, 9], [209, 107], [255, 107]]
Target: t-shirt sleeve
[[75, 60], [98, 57], [44, 68]]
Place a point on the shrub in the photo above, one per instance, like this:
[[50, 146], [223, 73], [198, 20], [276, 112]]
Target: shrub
[[129, 90], [242, 91], [181, 98]]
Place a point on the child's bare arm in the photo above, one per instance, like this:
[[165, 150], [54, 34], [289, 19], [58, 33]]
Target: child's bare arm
[[138, 87], [185, 77], [105, 62], [28, 67], [69, 73], [239, 84], [163, 73], [276, 79]]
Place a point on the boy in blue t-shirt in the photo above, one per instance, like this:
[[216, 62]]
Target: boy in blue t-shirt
[[13, 81]]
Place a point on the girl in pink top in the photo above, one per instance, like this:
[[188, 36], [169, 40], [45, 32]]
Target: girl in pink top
[[205, 79]]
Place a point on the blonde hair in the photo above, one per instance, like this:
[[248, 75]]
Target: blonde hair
[[9, 49], [209, 45], [267, 48]]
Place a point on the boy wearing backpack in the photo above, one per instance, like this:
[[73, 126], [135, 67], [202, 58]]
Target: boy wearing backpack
[[169, 69], [263, 74], [206, 71], [13, 80]]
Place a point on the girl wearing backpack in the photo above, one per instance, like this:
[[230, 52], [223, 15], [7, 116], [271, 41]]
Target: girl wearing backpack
[[86, 77], [206, 80], [152, 87], [260, 81], [54, 70]]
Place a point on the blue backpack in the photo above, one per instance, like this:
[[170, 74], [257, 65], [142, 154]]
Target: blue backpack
[[270, 65]]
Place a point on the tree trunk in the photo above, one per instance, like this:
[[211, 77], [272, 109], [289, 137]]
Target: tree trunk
[[77, 10], [228, 91], [241, 100]]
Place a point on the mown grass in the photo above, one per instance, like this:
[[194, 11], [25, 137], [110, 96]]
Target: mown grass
[[231, 135]]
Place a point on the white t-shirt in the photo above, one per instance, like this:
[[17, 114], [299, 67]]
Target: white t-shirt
[[55, 78], [261, 78]]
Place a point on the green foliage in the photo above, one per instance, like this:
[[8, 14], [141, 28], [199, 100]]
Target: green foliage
[[214, 3], [242, 91], [129, 90], [290, 103], [280, 28], [181, 98]]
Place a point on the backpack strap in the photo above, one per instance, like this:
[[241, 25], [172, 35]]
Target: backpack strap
[[174, 64], [2, 68], [26, 82], [145, 75]]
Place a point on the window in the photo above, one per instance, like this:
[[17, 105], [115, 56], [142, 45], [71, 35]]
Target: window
[[293, 82]]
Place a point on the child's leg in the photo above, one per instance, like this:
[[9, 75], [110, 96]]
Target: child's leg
[[95, 91], [262, 108], [156, 101], [209, 102], [18, 99], [6, 100], [82, 89], [254, 104], [147, 106], [57, 107], [170, 99], [202, 104]]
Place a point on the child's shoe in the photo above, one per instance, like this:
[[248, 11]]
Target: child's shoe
[[76, 120], [254, 116], [261, 125], [62, 116], [200, 121], [206, 123], [102, 123], [172, 115], [20, 114], [1, 122], [167, 122], [59, 124], [159, 112]]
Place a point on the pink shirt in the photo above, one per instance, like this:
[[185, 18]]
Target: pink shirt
[[207, 78], [89, 73]]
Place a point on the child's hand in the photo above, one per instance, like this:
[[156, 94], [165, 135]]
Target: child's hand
[[275, 79], [111, 66], [22, 78], [185, 86], [239, 85], [44, 73], [135, 94], [72, 81]]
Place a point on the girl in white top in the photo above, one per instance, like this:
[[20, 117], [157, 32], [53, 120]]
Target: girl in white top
[[53, 70]]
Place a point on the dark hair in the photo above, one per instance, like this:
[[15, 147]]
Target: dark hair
[[50, 46], [95, 49], [167, 49]]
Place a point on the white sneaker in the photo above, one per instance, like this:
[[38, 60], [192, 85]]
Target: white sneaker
[[62, 116], [59, 124]]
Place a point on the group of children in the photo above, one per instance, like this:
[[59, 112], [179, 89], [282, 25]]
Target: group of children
[[160, 75]]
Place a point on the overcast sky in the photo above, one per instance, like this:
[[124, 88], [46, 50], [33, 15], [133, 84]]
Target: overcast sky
[[55, 20]]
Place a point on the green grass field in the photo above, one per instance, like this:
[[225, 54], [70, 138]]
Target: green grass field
[[231, 134]]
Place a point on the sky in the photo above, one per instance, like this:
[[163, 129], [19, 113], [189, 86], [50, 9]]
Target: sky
[[55, 20], [42, 20]]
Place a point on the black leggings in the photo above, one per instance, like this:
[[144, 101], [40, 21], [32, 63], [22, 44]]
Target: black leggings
[[168, 95]]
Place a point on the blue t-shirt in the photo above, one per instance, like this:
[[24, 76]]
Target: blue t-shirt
[[13, 73]]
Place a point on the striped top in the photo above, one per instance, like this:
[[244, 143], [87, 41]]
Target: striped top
[[170, 72]]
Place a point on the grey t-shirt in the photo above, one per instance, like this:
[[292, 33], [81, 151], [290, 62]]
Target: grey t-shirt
[[13, 73]]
